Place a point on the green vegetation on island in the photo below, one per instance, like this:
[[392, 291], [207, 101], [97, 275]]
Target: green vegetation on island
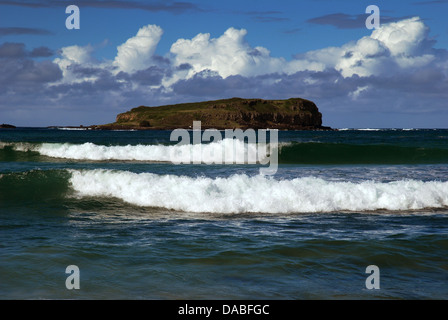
[[290, 114]]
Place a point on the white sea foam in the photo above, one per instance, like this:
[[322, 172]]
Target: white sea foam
[[241, 193], [369, 129], [359, 129], [72, 129], [19, 146], [223, 151]]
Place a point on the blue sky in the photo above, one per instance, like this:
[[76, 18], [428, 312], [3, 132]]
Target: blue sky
[[131, 53]]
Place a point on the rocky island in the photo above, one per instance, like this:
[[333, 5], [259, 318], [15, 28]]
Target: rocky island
[[290, 114], [7, 126]]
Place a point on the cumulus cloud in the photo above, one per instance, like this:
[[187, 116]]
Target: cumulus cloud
[[137, 52], [397, 62], [395, 47], [229, 54], [403, 37], [72, 56]]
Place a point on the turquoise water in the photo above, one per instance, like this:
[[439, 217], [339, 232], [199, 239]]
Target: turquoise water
[[149, 229]]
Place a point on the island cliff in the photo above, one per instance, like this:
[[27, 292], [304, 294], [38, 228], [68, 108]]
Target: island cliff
[[290, 114]]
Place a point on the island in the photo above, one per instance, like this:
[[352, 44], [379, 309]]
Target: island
[[7, 126], [234, 113]]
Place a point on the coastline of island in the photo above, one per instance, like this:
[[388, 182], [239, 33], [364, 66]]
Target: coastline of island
[[234, 113]]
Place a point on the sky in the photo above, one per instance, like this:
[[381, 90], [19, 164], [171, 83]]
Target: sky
[[131, 53]]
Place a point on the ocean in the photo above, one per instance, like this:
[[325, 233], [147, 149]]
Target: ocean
[[137, 226]]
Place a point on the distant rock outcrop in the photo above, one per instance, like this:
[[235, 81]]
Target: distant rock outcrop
[[290, 114], [7, 126]]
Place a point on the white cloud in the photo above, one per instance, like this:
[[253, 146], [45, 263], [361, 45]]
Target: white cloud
[[133, 55], [363, 58], [404, 37], [137, 52], [78, 54], [74, 55], [397, 55], [392, 48], [228, 55], [355, 94], [395, 66]]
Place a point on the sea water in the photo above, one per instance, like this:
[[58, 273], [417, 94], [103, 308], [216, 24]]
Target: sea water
[[140, 227]]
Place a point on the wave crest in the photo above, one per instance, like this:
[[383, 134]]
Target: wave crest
[[242, 193], [224, 151]]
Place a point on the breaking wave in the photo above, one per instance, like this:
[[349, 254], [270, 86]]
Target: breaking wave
[[224, 151], [259, 194], [229, 151]]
